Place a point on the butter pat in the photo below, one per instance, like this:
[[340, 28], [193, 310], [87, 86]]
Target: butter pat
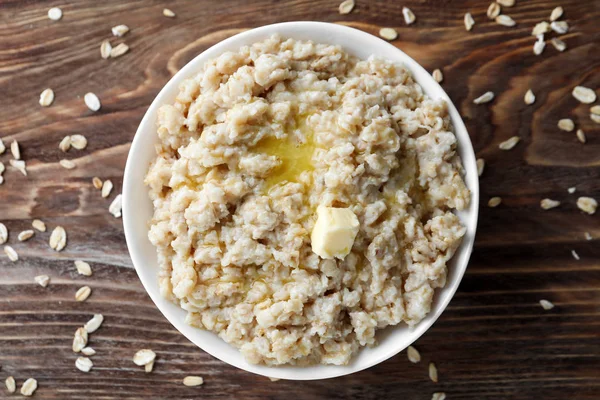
[[334, 232]]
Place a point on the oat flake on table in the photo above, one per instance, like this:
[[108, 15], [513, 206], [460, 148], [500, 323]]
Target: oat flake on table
[[119, 50], [540, 28], [19, 165], [556, 14], [11, 385], [168, 13], [560, 27], [566, 124], [46, 98], [107, 187], [11, 253], [84, 364], [494, 202], [480, 166], [15, 150], [438, 396], [575, 255], [388, 33], [510, 143], [143, 357], [581, 135], [79, 340], [484, 98], [92, 101], [42, 280], [587, 204], [55, 14], [39, 225], [546, 305], [119, 30], [29, 387], [468, 21], [433, 372], [346, 7], [505, 20], [409, 16], [548, 204], [3, 233], [437, 75], [105, 49], [78, 142], [193, 381], [83, 268], [65, 144], [116, 206], [94, 324], [558, 44], [493, 10], [413, 355], [83, 293], [25, 235], [584, 95], [529, 97]]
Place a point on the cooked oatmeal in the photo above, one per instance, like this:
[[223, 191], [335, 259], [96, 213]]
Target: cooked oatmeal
[[252, 146]]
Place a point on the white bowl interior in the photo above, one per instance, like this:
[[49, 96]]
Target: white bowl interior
[[137, 208]]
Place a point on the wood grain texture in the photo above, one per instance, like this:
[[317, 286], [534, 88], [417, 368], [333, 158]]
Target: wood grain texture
[[493, 342]]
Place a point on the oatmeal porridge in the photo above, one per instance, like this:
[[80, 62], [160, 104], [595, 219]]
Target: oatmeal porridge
[[303, 200]]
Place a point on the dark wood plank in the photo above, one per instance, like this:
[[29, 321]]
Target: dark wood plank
[[493, 342]]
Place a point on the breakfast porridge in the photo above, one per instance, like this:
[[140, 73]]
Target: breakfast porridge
[[303, 200]]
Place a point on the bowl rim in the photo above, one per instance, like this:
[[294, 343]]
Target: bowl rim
[[464, 147]]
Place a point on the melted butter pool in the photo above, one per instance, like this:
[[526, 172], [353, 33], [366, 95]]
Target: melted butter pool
[[295, 156]]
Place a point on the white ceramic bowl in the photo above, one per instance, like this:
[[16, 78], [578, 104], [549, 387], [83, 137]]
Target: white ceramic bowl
[[137, 208]]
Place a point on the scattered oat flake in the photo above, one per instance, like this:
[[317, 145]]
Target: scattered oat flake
[[506, 3], [484, 98], [92, 101], [469, 21], [509, 144], [80, 339], [566, 124], [437, 75], [409, 16], [168, 13], [388, 33], [2, 146], [540, 28], [572, 189], [88, 351], [84, 364], [505, 20], [494, 202], [15, 150], [55, 13], [65, 144], [39, 225], [529, 97], [575, 255], [83, 268], [193, 381], [42, 280], [587, 236], [2, 167], [438, 396], [581, 135], [558, 44], [19, 165], [556, 13], [493, 10], [273, 379], [68, 164], [93, 324], [46, 97], [119, 30], [83, 293], [25, 235], [547, 204], [149, 367], [78, 142], [560, 27], [116, 206], [595, 118], [29, 387], [433, 372], [97, 182], [346, 7], [11, 385], [413, 355], [546, 305], [119, 50], [584, 95], [595, 110], [587, 204], [480, 166], [58, 238], [143, 357], [3, 233], [539, 45], [11, 253], [105, 49], [107, 187]]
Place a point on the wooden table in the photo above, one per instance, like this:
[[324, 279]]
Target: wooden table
[[493, 342]]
